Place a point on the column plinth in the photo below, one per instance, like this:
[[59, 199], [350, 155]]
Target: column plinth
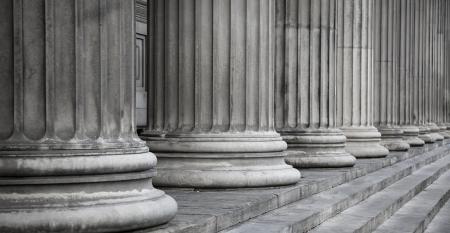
[[305, 81], [317, 148], [364, 142], [411, 135], [70, 159], [211, 114], [435, 131], [424, 134]]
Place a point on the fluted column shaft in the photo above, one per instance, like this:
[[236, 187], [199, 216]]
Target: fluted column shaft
[[305, 84], [407, 79], [211, 104], [387, 96], [67, 118], [355, 78]]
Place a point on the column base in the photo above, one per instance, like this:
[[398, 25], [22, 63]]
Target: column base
[[424, 134], [411, 135], [443, 131], [392, 139], [434, 131], [226, 160], [74, 191], [319, 148], [364, 142]]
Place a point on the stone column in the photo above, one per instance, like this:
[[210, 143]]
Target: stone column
[[406, 87], [424, 130], [70, 160], [446, 55], [355, 78], [440, 84], [386, 76], [429, 72], [212, 77], [305, 84]]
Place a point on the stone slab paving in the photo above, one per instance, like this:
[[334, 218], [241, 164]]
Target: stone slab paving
[[216, 210], [370, 213], [415, 216], [441, 222], [307, 213]]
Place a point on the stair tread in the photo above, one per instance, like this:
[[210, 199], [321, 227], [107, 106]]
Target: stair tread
[[307, 213], [370, 213], [416, 214], [441, 222]]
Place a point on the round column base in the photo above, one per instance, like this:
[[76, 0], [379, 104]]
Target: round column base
[[392, 139], [222, 161], [318, 148], [300, 159], [78, 191], [435, 132], [424, 134], [364, 142], [411, 135]]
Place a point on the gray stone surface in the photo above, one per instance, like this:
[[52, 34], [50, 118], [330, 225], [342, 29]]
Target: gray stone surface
[[70, 159], [305, 113], [211, 120], [441, 222], [244, 204], [415, 215], [426, 183]]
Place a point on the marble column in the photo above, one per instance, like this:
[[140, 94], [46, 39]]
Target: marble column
[[305, 84], [386, 91], [406, 84], [70, 160], [211, 119], [354, 74]]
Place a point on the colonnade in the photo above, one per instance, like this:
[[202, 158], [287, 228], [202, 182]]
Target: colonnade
[[240, 93]]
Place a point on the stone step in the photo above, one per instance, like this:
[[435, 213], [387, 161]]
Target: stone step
[[372, 212], [307, 213], [441, 222], [415, 215]]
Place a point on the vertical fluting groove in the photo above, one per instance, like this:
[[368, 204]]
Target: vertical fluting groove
[[79, 82], [280, 48], [121, 73], [18, 67], [237, 64], [377, 24], [271, 65], [364, 71], [187, 118], [304, 11], [332, 65], [171, 58], [402, 58], [339, 19], [252, 65], [356, 63], [50, 69], [221, 60], [314, 65], [291, 64], [324, 63], [7, 36], [348, 22]]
